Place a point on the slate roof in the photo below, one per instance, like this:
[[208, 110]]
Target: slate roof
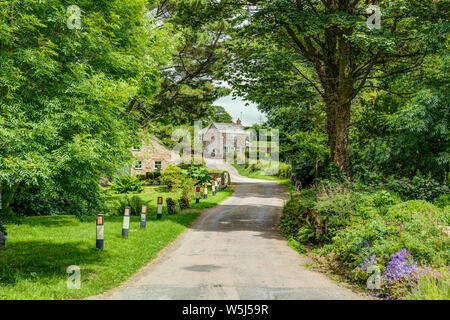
[[226, 127]]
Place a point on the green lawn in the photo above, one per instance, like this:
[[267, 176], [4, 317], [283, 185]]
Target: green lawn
[[257, 175], [33, 266]]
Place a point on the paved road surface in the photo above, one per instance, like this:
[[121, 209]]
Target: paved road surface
[[233, 251]]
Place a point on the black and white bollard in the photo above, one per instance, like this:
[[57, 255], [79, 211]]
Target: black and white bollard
[[205, 193], [159, 208], [143, 217], [100, 232], [126, 222], [213, 189], [197, 195], [216, 186]]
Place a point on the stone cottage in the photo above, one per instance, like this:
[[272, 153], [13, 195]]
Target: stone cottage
[[221, 139], [152, 156]]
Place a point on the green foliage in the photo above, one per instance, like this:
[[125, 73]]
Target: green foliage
[[184, 202], [171, 206], [442, 201], [367, 226], [117, 207], [378, 202], [187, 89], [415, 225], [432, 286], [64, 93], [292, 218], [418, 209], [172, 176], [418, 188], [126, 183], [199, 174]]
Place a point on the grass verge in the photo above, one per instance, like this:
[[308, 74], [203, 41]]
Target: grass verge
[[33, 266], [257, 175]]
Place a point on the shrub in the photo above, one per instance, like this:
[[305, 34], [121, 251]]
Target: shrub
[[411, 225], [126, 183], [172, 177], [117, 206], [337, 209], [377, 203], [417, 209], [442, 201], [171, 206], [199, 174], [184, 202], [292, 218], [283, 171], [418, 188]]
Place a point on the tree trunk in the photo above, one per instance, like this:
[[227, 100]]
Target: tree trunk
[[338, 125]]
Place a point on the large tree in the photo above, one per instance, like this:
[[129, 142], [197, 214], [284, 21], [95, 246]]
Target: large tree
[[64, 92], [332, 38], [188, 89]]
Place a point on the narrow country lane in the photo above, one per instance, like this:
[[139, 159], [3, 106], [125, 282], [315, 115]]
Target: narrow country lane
[[233, 251]]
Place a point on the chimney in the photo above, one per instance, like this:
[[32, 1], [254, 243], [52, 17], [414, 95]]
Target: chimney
[[238, 121]]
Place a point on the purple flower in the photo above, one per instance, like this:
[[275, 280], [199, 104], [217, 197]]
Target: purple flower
[[401, 267]]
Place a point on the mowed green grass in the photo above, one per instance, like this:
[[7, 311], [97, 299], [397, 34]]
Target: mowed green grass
[[257, 175], [33, 266]]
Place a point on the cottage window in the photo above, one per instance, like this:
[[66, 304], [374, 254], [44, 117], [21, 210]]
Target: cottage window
[[158, 165], [138, 165]]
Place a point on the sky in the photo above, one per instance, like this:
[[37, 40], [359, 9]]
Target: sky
[[249, 115]]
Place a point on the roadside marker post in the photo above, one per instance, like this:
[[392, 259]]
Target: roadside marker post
[[126, 222], [159, 208], [213, 189], [197, 195], [143, 217], [100, 231], [215, 185], [205, 194]]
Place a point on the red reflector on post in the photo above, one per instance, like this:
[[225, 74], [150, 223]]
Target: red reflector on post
[[159, 200], [127, 211], [100, 220], [198, 188]]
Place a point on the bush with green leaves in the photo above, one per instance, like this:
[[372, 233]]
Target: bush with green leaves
[[418, 188], [292, 218], [415, 225], [172, 176], [75, 129], [442, 201], [200, 174], [171, 206], [184, 202], [126, 183], [117, 206]]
